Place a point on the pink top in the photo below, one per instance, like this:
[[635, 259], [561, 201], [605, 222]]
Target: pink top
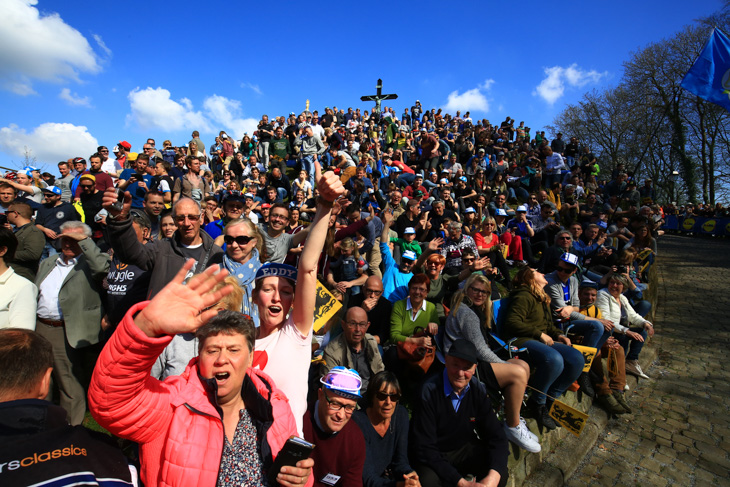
[[288, 354]]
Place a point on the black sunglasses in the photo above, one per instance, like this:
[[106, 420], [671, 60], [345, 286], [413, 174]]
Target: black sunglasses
[[240, 240], [382, 396]]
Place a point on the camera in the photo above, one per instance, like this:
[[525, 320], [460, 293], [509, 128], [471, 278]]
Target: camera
[[622, 269]]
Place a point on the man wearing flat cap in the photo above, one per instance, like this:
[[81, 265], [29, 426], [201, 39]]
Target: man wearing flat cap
[[455, 434]]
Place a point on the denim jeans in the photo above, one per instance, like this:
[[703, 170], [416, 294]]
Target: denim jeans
[[556, 368], [593, 332], [308, 165], [632, 347]]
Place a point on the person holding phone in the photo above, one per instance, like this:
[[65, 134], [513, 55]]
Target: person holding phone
[[221, 422]]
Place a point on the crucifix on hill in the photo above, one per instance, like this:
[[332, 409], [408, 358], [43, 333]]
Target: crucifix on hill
[[378, 97]]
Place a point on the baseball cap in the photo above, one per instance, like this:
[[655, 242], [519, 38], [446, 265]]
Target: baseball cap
[[132, 156], [409, 254], [88, 176], [272, 269], [568, 258], [463, 349], [470, 210], [602, 224], [343, 382], [125, 144], [30, 168], [266, 205], [444, 181], [409, 230], [522, 208], [52, 189], [500, 212], [588, 283], [463, 178], [248, 195], [417, 193]]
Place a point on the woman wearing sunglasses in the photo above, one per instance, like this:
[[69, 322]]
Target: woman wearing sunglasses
[[244, 251], [471, 319], [384, 425]]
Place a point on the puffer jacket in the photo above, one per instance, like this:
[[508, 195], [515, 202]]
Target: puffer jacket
[[176, 421]]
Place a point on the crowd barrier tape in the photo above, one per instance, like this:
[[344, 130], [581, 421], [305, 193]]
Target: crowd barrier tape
[[698, 224]]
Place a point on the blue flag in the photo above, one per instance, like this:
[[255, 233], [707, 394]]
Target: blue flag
[[709, 76]]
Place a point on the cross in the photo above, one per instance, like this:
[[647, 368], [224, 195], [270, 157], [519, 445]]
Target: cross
[[378, 97]]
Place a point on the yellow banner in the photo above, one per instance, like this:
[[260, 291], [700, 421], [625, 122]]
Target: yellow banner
[[325, 307], [571, 419], [589, 353]]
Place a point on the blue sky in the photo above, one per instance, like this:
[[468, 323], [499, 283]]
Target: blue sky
[[74, 75]]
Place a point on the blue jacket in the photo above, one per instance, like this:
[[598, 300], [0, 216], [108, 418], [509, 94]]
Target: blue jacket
[[395, 282]]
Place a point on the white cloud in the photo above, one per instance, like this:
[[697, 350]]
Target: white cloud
[[470, 100], [74, 98], [153, 109], [39, 47], [487, 85], [226, 113], [553, 86], [102, 45], [49, 142], [255, 88]]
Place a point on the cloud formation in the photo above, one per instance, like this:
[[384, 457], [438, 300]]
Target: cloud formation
[[49, 142], [552, 87], [102, 45], [470, 100], [153, 109], [227, 113], [40, 47], [74, 99], [255, 88]]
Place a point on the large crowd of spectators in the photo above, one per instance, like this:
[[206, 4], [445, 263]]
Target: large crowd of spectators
[[175, 290]]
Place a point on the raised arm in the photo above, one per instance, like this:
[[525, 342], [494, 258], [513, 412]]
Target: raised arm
[[330, 188]]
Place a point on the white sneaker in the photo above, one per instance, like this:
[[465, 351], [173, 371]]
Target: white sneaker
[[633, 368], [509, 262], [522, 437], [523, 424], [627, 388]]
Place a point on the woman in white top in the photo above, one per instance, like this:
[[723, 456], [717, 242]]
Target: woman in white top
[[18, 295], [283, 344], [629, 326]]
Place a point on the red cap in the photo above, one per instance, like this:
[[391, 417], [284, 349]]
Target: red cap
[[125, 144], [266, 205]]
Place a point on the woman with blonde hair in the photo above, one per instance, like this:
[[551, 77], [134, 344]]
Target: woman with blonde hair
[[244, 251], [557, 365], [471, 318]]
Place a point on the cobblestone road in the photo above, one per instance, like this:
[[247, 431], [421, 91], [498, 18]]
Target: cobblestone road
[[679, 432]]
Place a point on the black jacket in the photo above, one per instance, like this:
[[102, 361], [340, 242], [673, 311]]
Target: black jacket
[[163, 258], [38, 446], [436, 428]]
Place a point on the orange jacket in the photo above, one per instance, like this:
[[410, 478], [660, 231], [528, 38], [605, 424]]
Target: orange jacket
[[179, 429]]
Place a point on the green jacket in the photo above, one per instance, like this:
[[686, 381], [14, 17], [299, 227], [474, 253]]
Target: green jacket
[[80, 296], [527, 318]]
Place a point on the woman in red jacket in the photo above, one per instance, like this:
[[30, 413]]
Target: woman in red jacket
[[220, 422]]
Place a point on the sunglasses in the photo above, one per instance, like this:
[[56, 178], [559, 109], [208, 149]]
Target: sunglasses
[[382, 396], [240, 240], [564, 270]]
